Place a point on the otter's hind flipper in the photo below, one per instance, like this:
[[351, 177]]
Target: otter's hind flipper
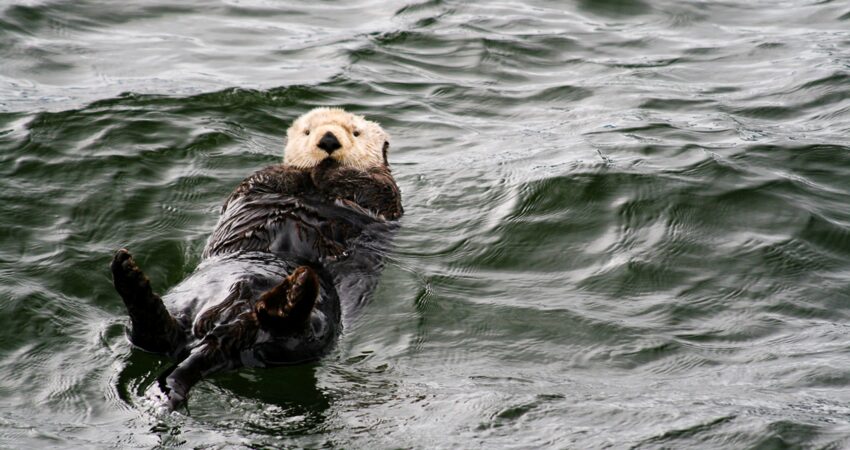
[[287, 306], [152, 327]]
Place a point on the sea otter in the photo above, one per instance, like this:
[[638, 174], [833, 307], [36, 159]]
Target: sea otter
[[295, 245]]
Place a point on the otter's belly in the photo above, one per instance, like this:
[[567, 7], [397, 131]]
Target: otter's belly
[[229, 285], [214, 278], [260, 240]]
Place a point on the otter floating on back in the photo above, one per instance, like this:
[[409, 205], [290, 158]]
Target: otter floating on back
[[296, 244]]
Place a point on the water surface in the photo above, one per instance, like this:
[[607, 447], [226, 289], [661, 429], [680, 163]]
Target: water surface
[[627, 221]]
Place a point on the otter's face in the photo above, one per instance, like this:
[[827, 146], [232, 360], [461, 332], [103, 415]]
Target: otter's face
[[333, 133]]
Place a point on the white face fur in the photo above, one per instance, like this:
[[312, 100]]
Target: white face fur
[[361, 141]]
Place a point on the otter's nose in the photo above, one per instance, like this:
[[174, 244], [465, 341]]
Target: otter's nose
[[329, 142]]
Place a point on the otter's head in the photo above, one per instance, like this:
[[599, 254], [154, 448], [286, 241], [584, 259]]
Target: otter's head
[[333, 133]]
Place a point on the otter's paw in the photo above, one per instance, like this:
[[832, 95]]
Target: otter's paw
[[128, 278], [287, 306]]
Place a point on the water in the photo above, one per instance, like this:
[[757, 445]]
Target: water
[[627, 221]]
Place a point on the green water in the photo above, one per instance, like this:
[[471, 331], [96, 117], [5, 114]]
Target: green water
[[627, 221]]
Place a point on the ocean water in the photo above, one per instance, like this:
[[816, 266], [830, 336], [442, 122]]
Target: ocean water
[[627, 221]]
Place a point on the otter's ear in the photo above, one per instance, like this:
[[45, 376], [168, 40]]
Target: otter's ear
[[386, 147]]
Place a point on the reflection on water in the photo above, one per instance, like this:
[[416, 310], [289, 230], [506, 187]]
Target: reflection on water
[[626, 221]]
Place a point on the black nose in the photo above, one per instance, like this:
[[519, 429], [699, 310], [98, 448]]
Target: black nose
[[329, 143]]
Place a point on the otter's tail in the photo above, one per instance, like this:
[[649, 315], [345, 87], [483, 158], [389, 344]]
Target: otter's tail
[[152, 327], [218, 351]]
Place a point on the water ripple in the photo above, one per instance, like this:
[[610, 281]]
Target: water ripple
[[626, 220]]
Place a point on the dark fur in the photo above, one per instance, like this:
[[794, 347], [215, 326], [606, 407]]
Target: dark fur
[[292, 249]]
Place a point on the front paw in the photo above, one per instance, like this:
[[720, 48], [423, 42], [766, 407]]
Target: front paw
[[323, 171]]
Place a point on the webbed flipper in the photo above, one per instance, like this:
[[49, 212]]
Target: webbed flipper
[[152, 327], [286, 307]]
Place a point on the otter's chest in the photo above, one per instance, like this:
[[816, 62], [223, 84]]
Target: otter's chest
[[303, 228]]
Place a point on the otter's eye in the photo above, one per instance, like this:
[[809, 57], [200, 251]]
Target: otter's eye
[[307, 132], [356, 133]]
